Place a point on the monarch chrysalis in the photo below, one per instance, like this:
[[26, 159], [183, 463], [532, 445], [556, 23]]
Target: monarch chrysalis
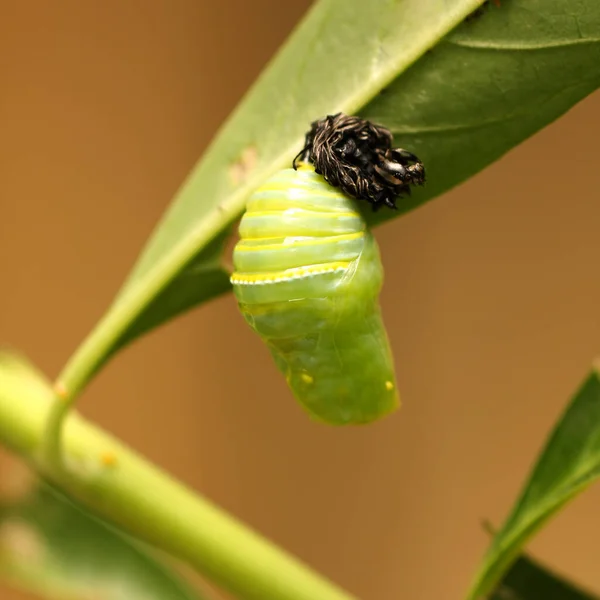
[[308, 273]]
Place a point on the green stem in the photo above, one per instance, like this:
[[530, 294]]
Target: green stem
[[97, 346], [118, 484]]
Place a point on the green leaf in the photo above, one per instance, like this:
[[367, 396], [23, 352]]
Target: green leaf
[[50, 546], [489, 85], [529, 580], [459, 94], [569, 463], [340, 57]]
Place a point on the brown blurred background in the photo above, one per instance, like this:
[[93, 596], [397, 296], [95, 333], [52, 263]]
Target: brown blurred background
[[491, 299]]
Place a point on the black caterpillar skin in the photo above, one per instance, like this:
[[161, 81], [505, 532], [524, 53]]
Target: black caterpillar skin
[[357, 156]]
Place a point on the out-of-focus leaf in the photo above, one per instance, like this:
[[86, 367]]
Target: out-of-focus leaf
[[51, 546], [529, 580], [569, 463]]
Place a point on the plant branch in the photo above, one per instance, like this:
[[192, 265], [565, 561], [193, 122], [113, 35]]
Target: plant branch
[[115, 482], [97, 347]]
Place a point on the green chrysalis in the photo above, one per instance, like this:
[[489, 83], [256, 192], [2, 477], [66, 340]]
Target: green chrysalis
[[307, 279], [308, 272]]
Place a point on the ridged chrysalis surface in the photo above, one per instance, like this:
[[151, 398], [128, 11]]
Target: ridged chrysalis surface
[[307, 279]]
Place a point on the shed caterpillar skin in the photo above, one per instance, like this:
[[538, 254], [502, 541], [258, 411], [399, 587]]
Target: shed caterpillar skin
[[307, 279]]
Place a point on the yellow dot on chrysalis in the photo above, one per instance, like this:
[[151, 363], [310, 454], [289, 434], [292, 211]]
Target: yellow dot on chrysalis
[[389, 386], [306, 378]]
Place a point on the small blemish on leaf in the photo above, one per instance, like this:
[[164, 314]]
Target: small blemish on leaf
[[244, 165]]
